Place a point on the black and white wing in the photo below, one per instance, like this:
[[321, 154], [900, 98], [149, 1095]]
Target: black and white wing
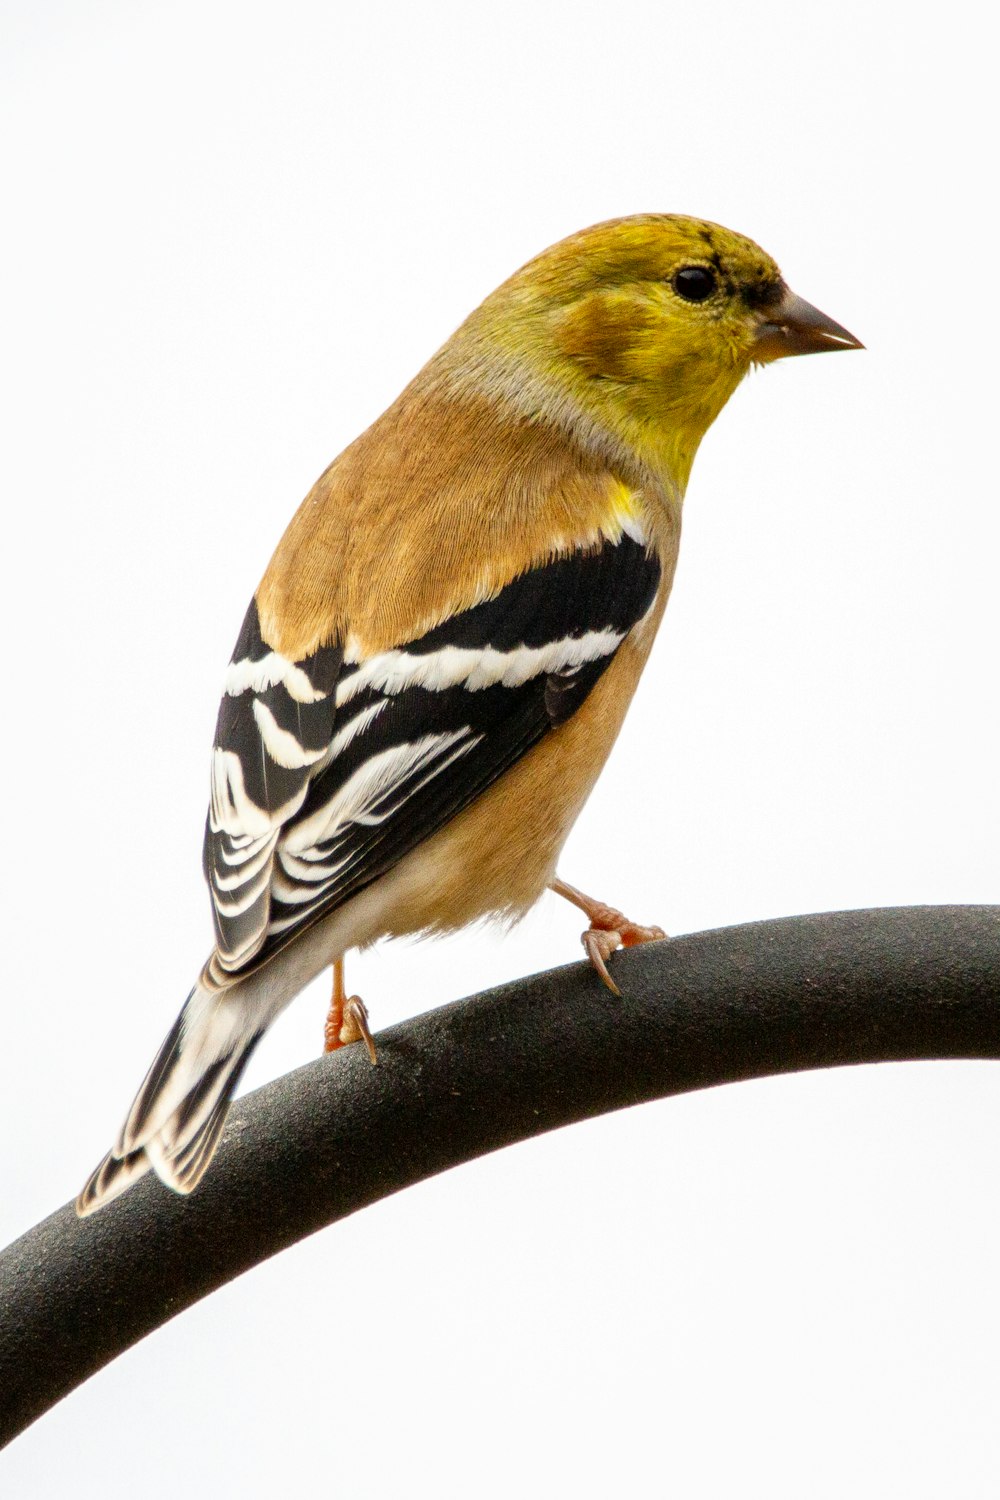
[[329, 770], [274, 730]]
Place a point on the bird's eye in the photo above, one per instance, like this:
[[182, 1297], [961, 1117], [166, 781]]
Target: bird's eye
[[694, 283]]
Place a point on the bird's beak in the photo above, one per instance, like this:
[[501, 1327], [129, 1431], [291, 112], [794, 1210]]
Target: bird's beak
[[793, 326]]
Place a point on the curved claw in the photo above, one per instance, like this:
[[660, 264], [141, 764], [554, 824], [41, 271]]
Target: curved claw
[[609, 929], [356, 1027], [599, 944], [348, 1025], [347, 1020]]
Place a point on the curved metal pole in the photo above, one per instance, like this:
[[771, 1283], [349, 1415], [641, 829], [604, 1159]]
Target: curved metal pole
[[322, 1142]]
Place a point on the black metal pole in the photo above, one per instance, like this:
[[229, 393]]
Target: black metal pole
[[332, 1137]]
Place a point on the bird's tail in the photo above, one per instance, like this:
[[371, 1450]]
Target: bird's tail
[[177, 1116]]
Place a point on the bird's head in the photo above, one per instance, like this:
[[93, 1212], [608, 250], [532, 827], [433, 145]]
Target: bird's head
[[648, 324]]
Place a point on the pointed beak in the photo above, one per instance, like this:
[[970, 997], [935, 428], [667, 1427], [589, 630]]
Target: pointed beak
[[793, 326]]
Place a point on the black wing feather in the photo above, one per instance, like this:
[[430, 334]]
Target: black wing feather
[[444, 716]]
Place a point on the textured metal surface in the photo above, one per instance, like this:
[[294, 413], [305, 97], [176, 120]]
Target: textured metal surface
[[330, 1138]]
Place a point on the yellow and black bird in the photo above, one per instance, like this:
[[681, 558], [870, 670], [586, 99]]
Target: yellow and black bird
[[440, 655]]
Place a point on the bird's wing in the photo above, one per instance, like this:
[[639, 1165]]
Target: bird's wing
[[274, 731], [328, 771]]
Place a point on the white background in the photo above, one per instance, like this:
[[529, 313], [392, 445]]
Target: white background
[[232, 232]]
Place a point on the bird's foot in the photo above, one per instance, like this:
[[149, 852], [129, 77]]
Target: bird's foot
[[609, 929], [347, 1020]]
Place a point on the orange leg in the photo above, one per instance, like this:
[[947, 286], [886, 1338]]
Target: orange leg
[[608, 930], [347, 1020]]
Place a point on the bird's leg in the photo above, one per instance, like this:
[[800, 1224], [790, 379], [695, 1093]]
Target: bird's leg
[[609, 929], [347, 1020]]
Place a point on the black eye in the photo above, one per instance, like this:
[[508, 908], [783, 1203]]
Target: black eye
[[694, 283]]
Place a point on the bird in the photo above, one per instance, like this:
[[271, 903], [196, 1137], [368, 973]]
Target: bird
[[439, 657]]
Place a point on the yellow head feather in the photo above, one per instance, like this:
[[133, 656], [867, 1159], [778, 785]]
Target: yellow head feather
[[641, 328]]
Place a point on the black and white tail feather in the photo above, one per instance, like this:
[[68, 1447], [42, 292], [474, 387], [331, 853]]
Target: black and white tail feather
[[178, 1115], [326, 773]]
